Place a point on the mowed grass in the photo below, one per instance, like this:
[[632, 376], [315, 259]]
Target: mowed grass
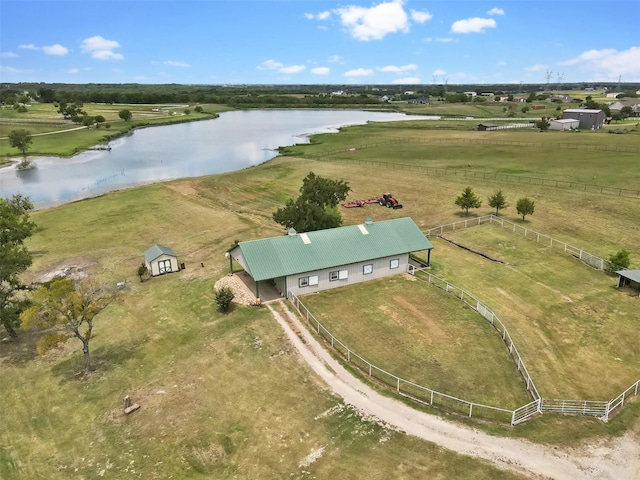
[[222, 396], [218, 397], [419, 333]]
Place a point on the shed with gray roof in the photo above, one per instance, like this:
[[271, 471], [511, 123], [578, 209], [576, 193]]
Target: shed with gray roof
[[629, 278], [314, 261], [160, 260], [590, 119]]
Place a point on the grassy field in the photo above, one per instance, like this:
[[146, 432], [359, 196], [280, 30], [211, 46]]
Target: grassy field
[[43, 119], [223, 396]]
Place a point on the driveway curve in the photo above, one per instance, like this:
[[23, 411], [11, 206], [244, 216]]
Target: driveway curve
[[612, 460]]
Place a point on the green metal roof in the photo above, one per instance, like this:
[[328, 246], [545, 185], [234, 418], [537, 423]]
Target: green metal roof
[[156, 251], [633, 275], [304, 252]]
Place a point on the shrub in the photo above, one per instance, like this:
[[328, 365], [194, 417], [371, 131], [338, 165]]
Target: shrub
[[224, 296], [618, 261], [50, 341]]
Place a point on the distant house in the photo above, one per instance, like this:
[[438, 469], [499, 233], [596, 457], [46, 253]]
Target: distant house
[[634, 103], [311, 262], [590, 119], [564, 124], [484, 127], [420, 100], [160, 260]]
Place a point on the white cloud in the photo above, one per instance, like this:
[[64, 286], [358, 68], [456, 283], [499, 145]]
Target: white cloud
[[501, 64], [8, 55], [538, 67], [270, 65], [29, 46], [100, 48], [358, 72], [56, 49], [318, 16], [407, 81], [446, 40], [334, 58], [396, 69], [420, 17], [292, 69], [173, 63], [320, 71], [473, 25], [6, 69], [376, 22], [439, 71], [610, 63], [73, 70], [495, 11]]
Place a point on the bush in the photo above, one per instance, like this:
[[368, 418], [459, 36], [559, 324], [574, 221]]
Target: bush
[[618, 261], [50, 341], [224, 296], [142, 271]]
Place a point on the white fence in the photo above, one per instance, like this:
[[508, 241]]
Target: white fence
[[402, 386], [586, 257], [418, 393]]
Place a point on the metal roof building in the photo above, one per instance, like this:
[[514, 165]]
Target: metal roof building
[[590, 119], [315, 261], [629, 278], [160, 260]]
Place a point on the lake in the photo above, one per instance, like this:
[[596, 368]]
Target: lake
[[234, 141]]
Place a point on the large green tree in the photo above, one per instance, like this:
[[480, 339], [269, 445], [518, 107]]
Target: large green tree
[[317, 206], [468, 199], [70, 304], [15, 227], [125, 115]]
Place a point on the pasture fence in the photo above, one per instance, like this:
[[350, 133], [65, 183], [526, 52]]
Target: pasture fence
[[346, 156], [590, 259], [402, 386]]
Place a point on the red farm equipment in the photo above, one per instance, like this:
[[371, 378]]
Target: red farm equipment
[[388, 200]]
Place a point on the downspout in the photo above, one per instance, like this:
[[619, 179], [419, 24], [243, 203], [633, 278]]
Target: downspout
[[429, 258]]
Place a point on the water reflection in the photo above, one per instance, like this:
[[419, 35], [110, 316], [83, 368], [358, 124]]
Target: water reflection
[[234, 141]]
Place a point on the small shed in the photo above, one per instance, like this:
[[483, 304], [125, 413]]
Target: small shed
[[629, 278], [564, 124], [485, 127], [160, 260], [590, 119]]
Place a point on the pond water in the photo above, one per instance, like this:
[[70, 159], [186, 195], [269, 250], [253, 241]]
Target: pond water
[[234, 141]]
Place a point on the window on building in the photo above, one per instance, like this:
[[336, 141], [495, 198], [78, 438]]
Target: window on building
[[333, 276], [303, 281], [394, 263], [367, 269], [343, 274], [164, 266], [313, 280]]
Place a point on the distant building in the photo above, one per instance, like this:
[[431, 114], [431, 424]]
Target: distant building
[[590, 119], [160, 260], [421, 100], [564, 124]]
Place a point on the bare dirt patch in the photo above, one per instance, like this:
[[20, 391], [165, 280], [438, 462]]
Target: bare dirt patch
[[76, 268]]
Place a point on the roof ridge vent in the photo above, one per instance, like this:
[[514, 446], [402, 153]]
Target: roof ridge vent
[[292, 232], [368, 221]]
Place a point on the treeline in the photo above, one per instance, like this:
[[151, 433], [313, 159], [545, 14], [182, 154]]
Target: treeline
[[247, 96]]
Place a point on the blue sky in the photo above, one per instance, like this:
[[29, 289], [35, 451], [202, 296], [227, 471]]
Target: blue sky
[[319, 42]]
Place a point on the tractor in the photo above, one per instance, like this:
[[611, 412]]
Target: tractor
[[388, 200]]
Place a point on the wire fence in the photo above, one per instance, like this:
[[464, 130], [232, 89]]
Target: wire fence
[[345, 155]]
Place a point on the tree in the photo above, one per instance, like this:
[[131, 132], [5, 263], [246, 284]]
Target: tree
[[125, 115], [543, 124], [626, 111], [468, 200], [498, 201], [70, 304], [21, 139], [525, 206], [618, 261], [71, 111], [99, 120], [316, 207], [198, 109], [224, 296], [15, 227]]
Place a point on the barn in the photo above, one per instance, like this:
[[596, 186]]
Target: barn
[[160, 260], [590, 119], [564, 124], [314, 261]]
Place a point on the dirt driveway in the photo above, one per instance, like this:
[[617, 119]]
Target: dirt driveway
[[612, 460]]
